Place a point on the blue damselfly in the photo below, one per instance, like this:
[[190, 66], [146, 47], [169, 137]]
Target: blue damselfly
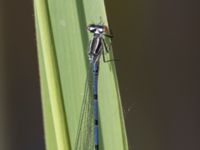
[[97, 47]]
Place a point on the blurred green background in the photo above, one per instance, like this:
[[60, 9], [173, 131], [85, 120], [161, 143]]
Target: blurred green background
[[158, 45]]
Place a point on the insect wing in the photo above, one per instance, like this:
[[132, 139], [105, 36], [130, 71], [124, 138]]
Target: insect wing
[[85, 133]]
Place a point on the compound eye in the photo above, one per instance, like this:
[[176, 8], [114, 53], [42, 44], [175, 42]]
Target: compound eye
[[92, 28], [101, 30]]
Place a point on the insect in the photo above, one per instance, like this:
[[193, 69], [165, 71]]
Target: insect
[[97, 42], [97, 47]]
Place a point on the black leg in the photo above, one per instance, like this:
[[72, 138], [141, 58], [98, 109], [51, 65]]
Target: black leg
[[108, 35], [105, 45], [104, 59], [110, 60], [106, 49]]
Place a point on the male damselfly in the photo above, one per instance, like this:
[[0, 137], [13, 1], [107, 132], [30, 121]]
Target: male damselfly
[[97, 47]]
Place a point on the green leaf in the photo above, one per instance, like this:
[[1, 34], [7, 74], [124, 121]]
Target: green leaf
[[62, 53]]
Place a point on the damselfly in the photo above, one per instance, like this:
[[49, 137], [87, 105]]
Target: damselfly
[[89, 121]]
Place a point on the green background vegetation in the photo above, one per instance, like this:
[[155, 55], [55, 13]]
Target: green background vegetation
[[62, 47]]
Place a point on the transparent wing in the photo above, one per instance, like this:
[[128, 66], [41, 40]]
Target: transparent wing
[[85, 133]]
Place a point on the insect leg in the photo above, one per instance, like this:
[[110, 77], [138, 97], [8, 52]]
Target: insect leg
[[106, 49]]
